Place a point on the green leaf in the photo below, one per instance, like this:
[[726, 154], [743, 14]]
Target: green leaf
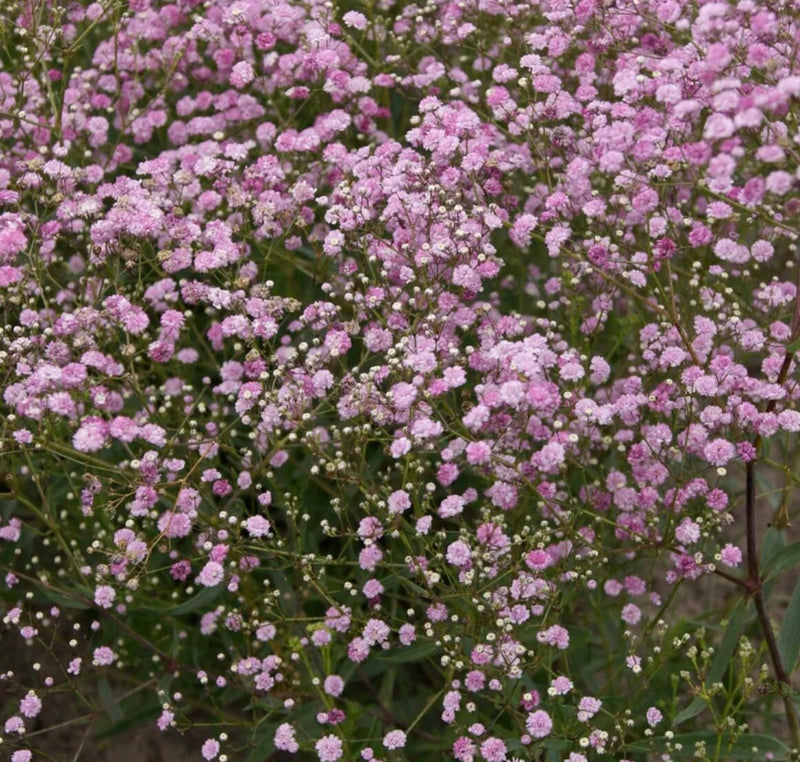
[[789, 635], [556, 749], [727, 647], [793, 346], [109, 702], [263, 743], [783, 559], [203, 598], [748, 746], [697, 706], [722, 658], [134, 715], [68, 599], [772, 544], [410, 654]]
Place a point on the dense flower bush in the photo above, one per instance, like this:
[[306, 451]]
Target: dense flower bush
[[389, 381]]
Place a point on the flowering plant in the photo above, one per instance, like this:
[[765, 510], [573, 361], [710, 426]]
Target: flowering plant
[[390, 379]]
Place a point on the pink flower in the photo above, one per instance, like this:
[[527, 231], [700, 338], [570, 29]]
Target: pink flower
[[333, 685], [375, 632], [631, 614], [556, 636], [718, 126], [458, 553], [329, 748], [369, 557], [730, 555], [104, 596], [91, 436], [14, 724], [284, 738], [103, 656], [355, 20], [242, 74], [588, 707], [560, 686], [539, 724], [654, 716], [407, 634], [257, 526], [211, 574], [399, 501], [400, 447], [464, 749], [394, 739], [478, 452], [165, 720], [494, 750], [687, 532], [719, 452], [30, 705], [537, 560], [372, 589], [550, 457]]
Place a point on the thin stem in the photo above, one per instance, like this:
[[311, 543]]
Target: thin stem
[[754, 583], [753, 575]]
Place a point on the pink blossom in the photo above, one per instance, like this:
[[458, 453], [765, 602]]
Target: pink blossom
[[242, 74], [588, 707], [394, 739], [258, 526], [407, 634], [104, 596], [458, 553], [539, 724], [494, 750], [355, 20], [333, 685], [399, 501], [284, 738], [103, 656], [719, 452], [211, 574], [556, 636], [30, 705], [688, 532], [631, 614], [654, 716], [730, 555], [329, 748]]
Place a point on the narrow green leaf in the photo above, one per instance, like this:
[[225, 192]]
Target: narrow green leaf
[[746, 747], [203, 598], [782, 560], [264, 743], [132, 717], [793, 346], [789, 635], [727, 647], [722, 658], [415, 588], [556, 748], [697, 706], [68, 600], [773, 543], [410, 654], [108, 702]]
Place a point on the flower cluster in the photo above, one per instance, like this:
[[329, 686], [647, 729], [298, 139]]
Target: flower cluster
[[415, 359]]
